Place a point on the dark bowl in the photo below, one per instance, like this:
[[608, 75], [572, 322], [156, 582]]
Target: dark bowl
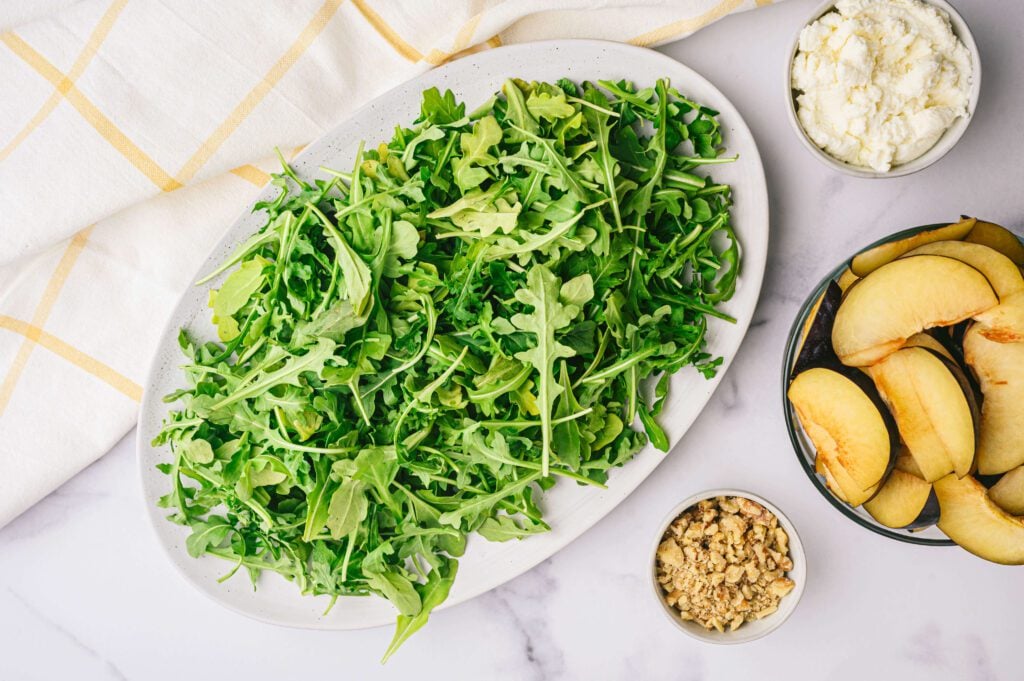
[[930, 536]]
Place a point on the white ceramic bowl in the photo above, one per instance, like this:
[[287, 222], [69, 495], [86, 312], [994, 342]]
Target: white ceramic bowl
[[750, 631], [941, 147]]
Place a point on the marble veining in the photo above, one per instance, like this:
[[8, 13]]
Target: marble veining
[[86, 593]]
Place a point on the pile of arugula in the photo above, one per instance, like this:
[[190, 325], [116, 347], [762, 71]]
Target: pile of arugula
[[411, 351]]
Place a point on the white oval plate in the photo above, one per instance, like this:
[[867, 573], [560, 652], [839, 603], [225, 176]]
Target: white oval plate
[[570, 509]]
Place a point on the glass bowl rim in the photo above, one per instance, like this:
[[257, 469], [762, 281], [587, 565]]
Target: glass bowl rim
[[792, 426]]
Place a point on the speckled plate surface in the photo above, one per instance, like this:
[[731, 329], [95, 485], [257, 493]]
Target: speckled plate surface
[[570, 509]]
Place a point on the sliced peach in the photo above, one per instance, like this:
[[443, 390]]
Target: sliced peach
[[1008, 493], [850, 428], [847, 279], [931, 410], [830, 480], [905, 462], [904, 501], [929, 342], [870, 260], [999, 368], [997, 237], [1000, 271], [902, 298], [934, 345], [841, 485], [1004, 323], [970, 518]]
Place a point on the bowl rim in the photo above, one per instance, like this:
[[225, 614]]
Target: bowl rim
[[793, 427], [942, 146], [775, 620]]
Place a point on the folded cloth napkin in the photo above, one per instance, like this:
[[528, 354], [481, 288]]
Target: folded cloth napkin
[[130, 133]]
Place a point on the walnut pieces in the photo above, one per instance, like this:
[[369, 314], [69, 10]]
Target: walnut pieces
[[723, 562]]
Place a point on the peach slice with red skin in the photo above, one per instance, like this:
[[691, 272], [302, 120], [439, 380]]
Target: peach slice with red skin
[[904, 501], [999, 238], [902, 298], [851, 430], [1001, 272], [868, 261], [815, 345], [1004, 322]]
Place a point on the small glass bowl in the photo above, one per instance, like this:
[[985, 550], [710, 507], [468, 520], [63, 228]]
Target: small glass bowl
[[805, 452]]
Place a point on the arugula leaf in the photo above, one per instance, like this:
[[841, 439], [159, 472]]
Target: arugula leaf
[[432, 594], [206, 534], [355, 273], [347, 509], [396, 588], [549, 106], [317, 500], [481, 506], [416, 348], [476, 145], [504, 528], [598, 121], [548, 315], [234, 293], [516, 110], [289, 373], [427, 134], [198, 451], [441, 109]]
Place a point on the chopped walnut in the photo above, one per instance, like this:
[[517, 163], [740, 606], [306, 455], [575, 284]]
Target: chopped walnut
[[723, 561]]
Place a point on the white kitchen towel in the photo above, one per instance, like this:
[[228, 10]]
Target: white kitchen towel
[[130, 133]]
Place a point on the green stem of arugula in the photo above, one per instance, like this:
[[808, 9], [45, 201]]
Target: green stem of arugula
[[230, 573], [245, 249], [701, 161], [713, 189], [505, 504], [696, 305], [428, 307], [426, 392], [615, 369], [591, 105], [348, 554], [524, 423], [602, 347]]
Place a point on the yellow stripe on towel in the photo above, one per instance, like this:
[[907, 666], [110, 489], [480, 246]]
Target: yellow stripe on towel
[[389, 34], [688, 25], [208, 148], [99, 34], [87, 363], [251, 174], [42, 312], [96, 118]]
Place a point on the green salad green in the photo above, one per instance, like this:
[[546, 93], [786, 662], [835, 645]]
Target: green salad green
[[414, 350]]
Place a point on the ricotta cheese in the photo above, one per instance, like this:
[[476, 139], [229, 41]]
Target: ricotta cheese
[[879, 81]]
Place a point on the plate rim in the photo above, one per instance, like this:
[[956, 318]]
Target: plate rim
[[751, 275]]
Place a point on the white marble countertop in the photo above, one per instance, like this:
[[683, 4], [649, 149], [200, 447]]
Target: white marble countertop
[[85, 592]]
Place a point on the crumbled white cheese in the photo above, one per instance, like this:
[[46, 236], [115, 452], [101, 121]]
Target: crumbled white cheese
[[879, 81]]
